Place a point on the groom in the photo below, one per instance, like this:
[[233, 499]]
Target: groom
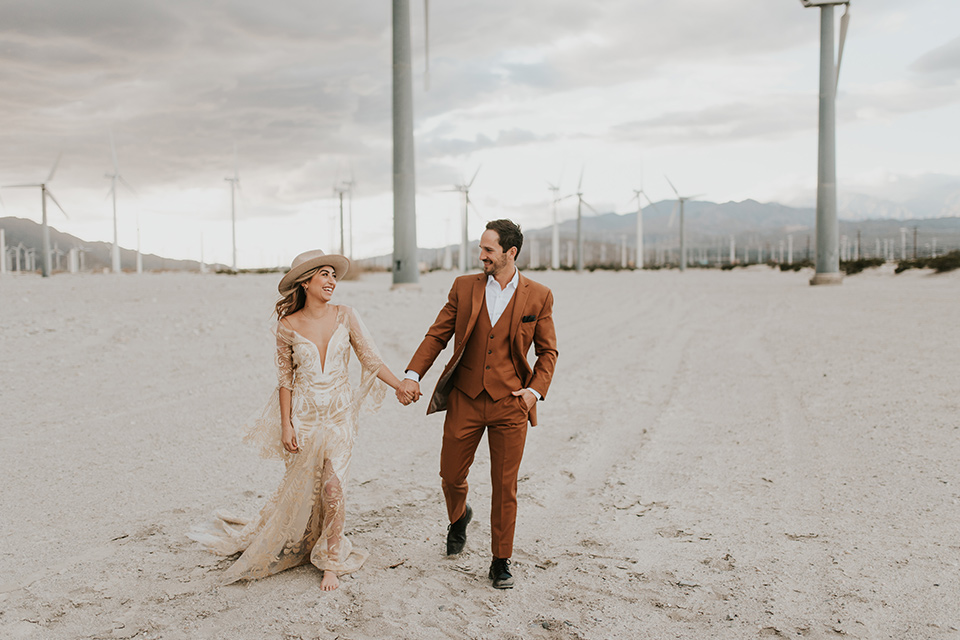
[[488, 383]]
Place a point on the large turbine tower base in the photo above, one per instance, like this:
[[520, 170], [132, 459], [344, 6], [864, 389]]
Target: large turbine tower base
[[406, 268]]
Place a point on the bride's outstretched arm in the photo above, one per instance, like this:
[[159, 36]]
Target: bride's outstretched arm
[[387, 376]]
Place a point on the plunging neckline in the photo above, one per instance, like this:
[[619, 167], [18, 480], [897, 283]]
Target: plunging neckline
[[326, 351]]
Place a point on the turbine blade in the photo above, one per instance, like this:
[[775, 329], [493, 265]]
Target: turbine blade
[[132, 190], [50, 193], [580, 184], [672, 187], [673, 215], [474, 207], [844, 25], [589, 206], [470, 184], [19, 186], [55, 165]]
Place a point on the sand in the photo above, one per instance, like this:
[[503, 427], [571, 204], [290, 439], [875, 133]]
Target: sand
[[721, 455]]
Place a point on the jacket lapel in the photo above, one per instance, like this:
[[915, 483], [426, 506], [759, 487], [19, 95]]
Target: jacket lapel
[[476, 302], [520, 295]]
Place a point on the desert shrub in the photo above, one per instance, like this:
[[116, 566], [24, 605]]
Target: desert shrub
[[946, 262], [941, 264], [851, 267]]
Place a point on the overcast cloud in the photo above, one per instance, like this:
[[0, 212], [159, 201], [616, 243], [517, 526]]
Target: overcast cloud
[[303, 90]]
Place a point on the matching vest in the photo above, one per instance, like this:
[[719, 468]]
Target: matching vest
[[486, 364]]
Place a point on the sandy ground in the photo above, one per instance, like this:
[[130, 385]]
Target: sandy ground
[[721, 455]]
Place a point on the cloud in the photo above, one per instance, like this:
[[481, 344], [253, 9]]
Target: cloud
[[940, 65], [775, 116]]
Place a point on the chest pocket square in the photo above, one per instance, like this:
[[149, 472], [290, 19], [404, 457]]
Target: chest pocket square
[[528, 318]]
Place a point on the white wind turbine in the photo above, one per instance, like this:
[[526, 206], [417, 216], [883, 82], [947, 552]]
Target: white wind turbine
[[115, 177], [467, 203], [683, 245], [234, 187], [340, 188], [350, 184], [580, 204], [636, 196], [555, 239], [44, 194]]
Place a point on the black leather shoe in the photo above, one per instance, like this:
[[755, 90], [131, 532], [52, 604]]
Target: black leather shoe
[[500, 573], [457, 533]]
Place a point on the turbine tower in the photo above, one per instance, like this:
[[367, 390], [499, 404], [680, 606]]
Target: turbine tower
[[115, 177], [46, 266], [234, 187], [683, 241], [580, 204], [555, 238], [636, 196], [406, 270], [338, 190], [350, 184], [467, 203], [828, 229]]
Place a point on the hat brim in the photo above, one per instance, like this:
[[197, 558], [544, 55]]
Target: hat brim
[[340, 264]]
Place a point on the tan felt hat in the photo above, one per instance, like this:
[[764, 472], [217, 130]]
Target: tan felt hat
[[309, 260]]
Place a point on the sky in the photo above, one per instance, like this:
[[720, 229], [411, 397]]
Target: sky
[[719, 96]]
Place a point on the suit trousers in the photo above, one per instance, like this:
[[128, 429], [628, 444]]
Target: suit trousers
[[505, 421]]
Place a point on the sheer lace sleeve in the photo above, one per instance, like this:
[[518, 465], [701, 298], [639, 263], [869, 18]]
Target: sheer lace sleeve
[[363, 344], [284, 357], [370, 361], [262, 430]]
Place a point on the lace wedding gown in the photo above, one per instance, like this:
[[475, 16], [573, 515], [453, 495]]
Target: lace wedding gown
[[304, 520]]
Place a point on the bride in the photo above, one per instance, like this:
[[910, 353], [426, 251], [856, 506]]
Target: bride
[[310, 423]]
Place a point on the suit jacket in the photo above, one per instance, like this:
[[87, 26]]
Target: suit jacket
[[458, 317]]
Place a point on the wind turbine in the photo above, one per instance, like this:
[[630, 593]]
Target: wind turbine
[[340, 188], [683, 245], [234, 187], [636, 196], [44, 194], [467, 203], [115, 177], [828, 229], [406, 268], [580, 204], [350, 184], [555, 239]]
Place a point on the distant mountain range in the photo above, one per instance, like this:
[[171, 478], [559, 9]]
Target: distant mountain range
[[96, 255], [709, 227]]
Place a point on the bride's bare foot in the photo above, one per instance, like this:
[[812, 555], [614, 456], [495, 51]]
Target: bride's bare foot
[[330, 581]]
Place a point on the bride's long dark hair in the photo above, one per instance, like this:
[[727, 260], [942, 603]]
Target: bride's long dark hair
[[296, 299]]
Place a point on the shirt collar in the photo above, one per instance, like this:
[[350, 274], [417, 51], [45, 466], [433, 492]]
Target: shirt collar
[[514, 281]]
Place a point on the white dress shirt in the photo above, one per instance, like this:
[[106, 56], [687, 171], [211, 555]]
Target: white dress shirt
[[497, 298]]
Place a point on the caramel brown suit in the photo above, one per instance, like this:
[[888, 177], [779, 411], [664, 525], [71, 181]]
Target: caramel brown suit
[[476, 389]]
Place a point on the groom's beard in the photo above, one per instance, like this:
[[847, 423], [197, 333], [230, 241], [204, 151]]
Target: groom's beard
[[492, 268]]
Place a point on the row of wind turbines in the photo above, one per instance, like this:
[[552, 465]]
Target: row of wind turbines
[[46, 263], [556, 199]]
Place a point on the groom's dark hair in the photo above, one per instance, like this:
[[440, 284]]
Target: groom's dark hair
[[509, 233]]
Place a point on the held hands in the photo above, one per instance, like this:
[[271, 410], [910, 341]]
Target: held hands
[[289, 438], [527, 396], [408, 391]]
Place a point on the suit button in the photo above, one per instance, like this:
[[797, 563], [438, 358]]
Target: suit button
[[488, 366], [491, 336], [489, 351]]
